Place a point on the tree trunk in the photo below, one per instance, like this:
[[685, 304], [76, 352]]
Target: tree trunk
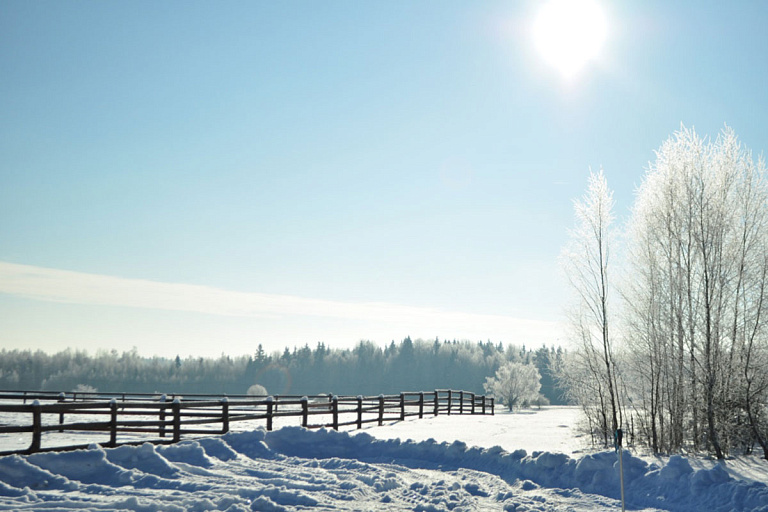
[[710, 389]]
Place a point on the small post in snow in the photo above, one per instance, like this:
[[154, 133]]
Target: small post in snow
[[113, 423], [37, 427], [304, 411], [270, 403], [62, 398], [162, 415], [617, 439], [359, 412], [176, 408], [224, 415], [335, 411]]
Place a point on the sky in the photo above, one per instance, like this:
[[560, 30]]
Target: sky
[[198, 178]]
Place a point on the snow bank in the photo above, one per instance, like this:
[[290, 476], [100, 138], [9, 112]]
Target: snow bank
[[297, 469], [675, 486]]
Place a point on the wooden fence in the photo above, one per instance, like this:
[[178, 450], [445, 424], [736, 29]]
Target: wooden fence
[[135, 418]]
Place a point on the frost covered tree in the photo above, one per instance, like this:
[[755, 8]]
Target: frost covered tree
[[696, 307], [585, 261], [257, 390], [514, 384]]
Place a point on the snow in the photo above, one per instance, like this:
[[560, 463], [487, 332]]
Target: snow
[[511, 462], [552, 429]]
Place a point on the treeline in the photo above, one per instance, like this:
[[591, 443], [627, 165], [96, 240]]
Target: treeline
[[365, 369]]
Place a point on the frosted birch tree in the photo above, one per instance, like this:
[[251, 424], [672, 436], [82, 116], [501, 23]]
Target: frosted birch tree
[[695, 306], [585, 260], [660, 313]]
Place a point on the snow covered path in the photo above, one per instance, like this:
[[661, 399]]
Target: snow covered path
[[296, 469]]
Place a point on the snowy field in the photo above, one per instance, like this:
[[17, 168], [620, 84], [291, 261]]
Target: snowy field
[[530, 461]]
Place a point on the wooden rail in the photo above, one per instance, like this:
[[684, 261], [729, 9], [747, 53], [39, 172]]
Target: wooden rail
[[157, 419]]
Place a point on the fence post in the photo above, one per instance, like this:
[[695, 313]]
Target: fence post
[[450, 398], [113, 423], [359, 412], [402, 406], [37, 425], [176, 406], [484, 399], [162, 415], [269, 413], [421, 404], [335, 411], [493, 407], [304, 411], [381, 410], [437, 403], [62, 397], [224, 415], [461, 402]]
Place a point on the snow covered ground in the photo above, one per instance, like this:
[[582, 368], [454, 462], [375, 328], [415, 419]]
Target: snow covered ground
[[551, 429], [510, 462]]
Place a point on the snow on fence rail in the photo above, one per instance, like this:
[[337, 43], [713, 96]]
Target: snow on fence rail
[[135, 418]]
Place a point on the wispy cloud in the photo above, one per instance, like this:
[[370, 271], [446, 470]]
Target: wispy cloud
[[48, 284]]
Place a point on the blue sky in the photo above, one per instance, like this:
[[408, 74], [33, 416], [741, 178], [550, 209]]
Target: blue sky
[[198, 177]]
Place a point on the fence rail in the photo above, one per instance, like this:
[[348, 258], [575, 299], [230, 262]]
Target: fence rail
[[135, 418]]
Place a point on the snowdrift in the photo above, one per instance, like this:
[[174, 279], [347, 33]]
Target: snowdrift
[[675, 486], [295, 469]]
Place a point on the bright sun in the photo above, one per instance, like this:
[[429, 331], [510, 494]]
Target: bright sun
[[570, 33]]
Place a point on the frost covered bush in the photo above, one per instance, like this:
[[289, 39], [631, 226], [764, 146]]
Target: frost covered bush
[[85, 388], [515, 384], [257, 390]]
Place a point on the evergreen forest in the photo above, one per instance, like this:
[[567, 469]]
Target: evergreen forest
[[366, 369]]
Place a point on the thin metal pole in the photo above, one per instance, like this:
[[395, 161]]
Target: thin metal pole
[[618, 441], [621, 474]]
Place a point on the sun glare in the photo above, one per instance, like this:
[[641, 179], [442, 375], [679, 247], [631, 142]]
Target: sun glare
[[569, 34]]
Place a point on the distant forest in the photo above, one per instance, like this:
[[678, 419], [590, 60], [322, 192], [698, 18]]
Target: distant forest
[[366, 369]]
